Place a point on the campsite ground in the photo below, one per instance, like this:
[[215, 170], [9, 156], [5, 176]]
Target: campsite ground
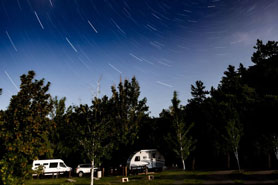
[[176, 177]]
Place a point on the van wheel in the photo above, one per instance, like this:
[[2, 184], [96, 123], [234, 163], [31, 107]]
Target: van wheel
[[80, 174]]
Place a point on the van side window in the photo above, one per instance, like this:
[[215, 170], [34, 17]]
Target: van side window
[[153, 155], [53, 165], [62, 165], [137, 158]]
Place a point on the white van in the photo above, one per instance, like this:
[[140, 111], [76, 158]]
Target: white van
[[51, 166], [150, 158]]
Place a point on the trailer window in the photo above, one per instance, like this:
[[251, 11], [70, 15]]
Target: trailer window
[[37, 164], [45, 164], [53, 165], [137, 158]]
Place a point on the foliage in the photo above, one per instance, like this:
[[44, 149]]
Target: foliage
[[127, 110], [39, 171], [198, 93], [127, 114], [197, 111], [264, 51], [94, 130], [275, 145], [182, 142], [25, 127], [242, 107], [110, 122], [234, 133], [57, 116], [185, 142], [63, 136]]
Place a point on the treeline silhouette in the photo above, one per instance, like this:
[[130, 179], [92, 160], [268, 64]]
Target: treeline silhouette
[[230, 126], [246, 96]]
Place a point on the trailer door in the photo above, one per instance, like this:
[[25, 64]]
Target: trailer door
[[154, 159]]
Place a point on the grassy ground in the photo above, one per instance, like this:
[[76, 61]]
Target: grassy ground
[[176, 177]]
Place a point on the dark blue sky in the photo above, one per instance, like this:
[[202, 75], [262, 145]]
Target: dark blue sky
[[166, 44]]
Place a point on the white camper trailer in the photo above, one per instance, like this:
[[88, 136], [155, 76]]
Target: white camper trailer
[[51, 166], [151, 159]]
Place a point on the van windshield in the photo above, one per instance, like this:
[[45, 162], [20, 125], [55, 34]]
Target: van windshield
[[62, 165]]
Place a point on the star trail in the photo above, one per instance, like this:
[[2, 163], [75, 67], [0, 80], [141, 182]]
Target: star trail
[[166, 44]]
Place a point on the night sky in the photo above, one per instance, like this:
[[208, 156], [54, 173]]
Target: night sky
[[166, 44]]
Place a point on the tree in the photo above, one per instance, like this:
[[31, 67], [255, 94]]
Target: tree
[[25, 127], [275, 145], [163, 127], [57, 115], [263, 77], [93, 125], [264, 74], [197, 112], [264, 51], [63, 135], [59, 108], [235, 100], [268, 144], [127, 113], [128, 109], [234, 133], [183, 142], [198, 92]]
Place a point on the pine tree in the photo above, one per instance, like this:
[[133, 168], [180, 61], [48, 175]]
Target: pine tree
[[198, 92]]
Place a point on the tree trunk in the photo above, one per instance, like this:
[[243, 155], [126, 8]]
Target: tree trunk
[[181, 152], [269, 161], [276, 152], [228, 160], [92, 173], [183, 164], [237, 158], [193, 164]]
